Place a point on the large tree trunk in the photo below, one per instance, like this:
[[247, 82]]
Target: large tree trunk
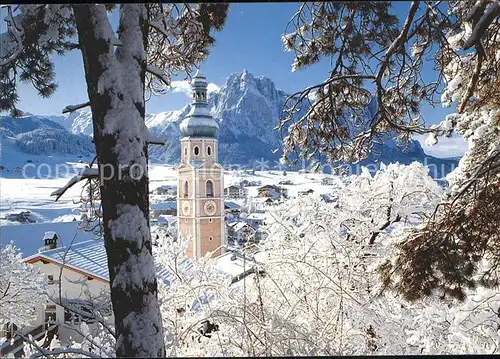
[[115, 85]]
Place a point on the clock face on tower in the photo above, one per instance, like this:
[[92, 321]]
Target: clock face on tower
[[210, 208], [186, 208]]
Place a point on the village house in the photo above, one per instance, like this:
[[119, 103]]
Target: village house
[[165, 190], [240, 231], [235, 192], [81, 274], [247, 183], [232, 208], [255, 220], [37, 239], [261, 204], [168, 208], [305, 192], [272, 191], [167, 220], [327, 181], [21, 217]]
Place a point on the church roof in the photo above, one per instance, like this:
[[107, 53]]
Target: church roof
[[199, 77], [199, 122]]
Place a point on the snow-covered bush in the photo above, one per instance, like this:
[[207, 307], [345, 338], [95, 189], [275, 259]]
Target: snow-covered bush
[[22, 288], [321, 293], [318, 291]]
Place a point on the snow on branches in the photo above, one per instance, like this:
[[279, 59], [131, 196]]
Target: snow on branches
[[318, 291], [464, 229], [179, 38], [22, 288], [368, 48]]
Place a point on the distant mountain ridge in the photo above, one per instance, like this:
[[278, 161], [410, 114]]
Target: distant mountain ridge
[[42, 136], [248, 109]]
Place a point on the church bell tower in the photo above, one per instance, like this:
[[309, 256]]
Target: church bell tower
[[200, 188]]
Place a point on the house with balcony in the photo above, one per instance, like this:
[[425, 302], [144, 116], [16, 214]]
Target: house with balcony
[[235, 192]]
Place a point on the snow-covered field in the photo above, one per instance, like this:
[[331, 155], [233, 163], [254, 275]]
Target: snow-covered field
[[33, 194]]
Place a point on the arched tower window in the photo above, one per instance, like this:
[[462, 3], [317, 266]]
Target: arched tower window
[[186, 189], [185, 152], [209, 187], [209, 150], [196, 151]]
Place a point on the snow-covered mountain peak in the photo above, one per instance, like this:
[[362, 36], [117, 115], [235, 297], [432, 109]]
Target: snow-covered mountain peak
[[247, 107]]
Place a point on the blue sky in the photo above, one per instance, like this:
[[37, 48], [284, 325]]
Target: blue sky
[[251, 39]]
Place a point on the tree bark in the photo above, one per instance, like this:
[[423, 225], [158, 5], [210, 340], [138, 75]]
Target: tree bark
[[115, 85]]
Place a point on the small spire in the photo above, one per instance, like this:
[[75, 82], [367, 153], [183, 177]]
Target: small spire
[[198, 74]]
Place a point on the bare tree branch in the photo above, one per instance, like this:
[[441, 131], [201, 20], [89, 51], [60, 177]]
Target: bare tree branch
[[73, 108], [87, 173]]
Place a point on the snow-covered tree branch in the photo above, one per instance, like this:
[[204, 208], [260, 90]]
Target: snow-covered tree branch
[[22, 288], [368, 48]]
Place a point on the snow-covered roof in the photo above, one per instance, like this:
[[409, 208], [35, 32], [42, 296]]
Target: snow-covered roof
[[231, 204], [165, 187], [29, 237], [234, 264], [49, 235], [162, 219], [90, 258], [257, 216], [164, 205], [262, 199], [236, 186], [237, 226]]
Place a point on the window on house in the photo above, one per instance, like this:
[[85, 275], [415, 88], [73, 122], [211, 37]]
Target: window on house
[[8, 330], [209, 188], [210, 238], [186, 189], [79, 311], [196, 150], [50, 315]]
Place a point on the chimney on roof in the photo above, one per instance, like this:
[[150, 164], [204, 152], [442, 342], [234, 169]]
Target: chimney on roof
[[50, 240]]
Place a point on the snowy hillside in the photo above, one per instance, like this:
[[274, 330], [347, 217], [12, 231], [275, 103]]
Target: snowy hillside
[[42, 136], [50, 141], [11, 127]]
